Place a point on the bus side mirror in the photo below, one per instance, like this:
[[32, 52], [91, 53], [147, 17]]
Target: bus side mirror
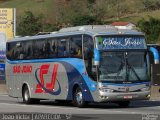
[[155, 53], [96, 57]]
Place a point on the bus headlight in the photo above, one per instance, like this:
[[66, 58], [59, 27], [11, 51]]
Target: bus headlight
[[145, 89]]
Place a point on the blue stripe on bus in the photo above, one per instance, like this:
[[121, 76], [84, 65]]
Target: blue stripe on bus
[[74, 62], [76, 78]]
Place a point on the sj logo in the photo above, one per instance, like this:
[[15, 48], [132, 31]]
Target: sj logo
[[44, 71]]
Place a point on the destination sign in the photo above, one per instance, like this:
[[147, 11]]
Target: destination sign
[[121, 42]]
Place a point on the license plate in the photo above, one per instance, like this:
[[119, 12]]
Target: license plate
[[128, 97]]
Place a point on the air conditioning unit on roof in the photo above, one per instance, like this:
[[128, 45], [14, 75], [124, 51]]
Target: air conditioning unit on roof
[[87, 27]]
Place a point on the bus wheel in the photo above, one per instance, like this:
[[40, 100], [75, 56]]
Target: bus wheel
[[124, 104], [26, 96], [78, 98]]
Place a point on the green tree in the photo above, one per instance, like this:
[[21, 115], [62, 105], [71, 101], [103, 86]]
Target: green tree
[[91, 1], [85, 20], [151, 28], [29, 24], [151, 4], [47, 27], [67, 12], [147, 4]]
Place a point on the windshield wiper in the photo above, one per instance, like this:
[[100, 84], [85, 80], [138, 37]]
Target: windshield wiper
[[119, 70], [131, 68]]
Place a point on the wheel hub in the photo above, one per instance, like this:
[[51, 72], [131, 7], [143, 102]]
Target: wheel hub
[[79, 98], [26, 96]]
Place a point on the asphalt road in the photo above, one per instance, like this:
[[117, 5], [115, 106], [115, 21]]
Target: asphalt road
[[141, 110]]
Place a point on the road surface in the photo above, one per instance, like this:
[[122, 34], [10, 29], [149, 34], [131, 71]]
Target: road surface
[[141, 110]]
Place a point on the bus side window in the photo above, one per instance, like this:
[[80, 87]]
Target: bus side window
[[76, 47], [18, 51], [60, 49], [63, 47], [47, 49], [28, 50], [16, 54], [12, 56], [11, 49], [21, 52], [53, 48], [33, 49]]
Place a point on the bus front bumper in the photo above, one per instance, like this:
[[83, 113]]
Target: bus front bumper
[[103, 96]]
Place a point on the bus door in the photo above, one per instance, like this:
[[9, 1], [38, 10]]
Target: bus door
[[155, 81]]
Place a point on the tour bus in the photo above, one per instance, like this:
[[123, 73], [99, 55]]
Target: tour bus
[[83, 64]]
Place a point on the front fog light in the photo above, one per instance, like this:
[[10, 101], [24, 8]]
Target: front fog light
[[148, 96], [103, 97]]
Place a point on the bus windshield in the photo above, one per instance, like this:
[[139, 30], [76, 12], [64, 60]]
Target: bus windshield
[[123, 67]]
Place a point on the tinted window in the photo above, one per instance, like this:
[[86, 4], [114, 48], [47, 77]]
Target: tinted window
[[61, 47], [15, 50], [88, 47], [76, 46], [11, 51]]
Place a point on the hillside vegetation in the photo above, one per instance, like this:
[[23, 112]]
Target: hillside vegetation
[[54, 14], [126, 10], [45, 7]]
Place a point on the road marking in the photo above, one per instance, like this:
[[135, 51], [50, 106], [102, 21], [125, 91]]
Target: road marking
[[155, 100], [4, 95], [109, 111]]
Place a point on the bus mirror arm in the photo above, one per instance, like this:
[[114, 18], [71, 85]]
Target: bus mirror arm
[[96, 57], [155, 53]]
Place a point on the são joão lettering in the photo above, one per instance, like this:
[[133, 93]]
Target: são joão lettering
[[22, 69]]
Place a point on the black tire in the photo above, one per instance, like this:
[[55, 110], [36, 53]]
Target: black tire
[[123, 104], [26, 97], [62, 102], [35, 101], [78, 99]]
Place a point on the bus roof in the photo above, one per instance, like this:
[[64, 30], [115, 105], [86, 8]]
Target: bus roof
[[153, 44], [92, 30]]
